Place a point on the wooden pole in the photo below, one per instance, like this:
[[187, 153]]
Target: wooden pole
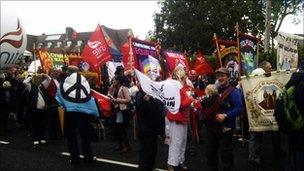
[[239, 48], [218, 49]]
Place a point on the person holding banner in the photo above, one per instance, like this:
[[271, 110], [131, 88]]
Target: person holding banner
[[256, 138], [37, 105], [151, 123], [178, 124], [221, 122]]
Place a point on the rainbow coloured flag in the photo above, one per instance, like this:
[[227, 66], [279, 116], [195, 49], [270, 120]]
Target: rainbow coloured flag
[[146, 65], [150, 66]]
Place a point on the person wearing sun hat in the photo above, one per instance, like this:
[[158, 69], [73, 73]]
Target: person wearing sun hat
[[220, 133], [74, 95]]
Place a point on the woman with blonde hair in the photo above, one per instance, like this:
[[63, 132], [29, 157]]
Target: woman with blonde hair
[[178, 124]]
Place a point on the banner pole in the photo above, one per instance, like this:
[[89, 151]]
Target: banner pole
[[34, 50], [218, 50], [239, 49], [130, 53]]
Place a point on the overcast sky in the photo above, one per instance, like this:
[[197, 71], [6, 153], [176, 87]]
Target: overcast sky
[[52, 17]]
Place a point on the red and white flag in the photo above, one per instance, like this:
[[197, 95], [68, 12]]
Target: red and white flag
[[96, 52], [175, 59]]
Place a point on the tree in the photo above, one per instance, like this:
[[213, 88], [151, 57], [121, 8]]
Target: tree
[[190, 25], [267, 26], [283, 8]]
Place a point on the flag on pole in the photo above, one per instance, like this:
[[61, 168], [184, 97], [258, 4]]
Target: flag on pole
[[103, 102], [201, 65], [175, 59], [96, 52]]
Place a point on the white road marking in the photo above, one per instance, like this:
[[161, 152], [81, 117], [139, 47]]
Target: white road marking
[[4, 142], [113, 162]]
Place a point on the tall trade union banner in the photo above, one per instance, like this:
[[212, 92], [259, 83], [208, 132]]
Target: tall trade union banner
[[260, 94], [227, 56], [166, 91], [248, 47], [146, 59], [287, 51]]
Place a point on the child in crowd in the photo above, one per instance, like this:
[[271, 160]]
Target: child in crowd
[[208, 99]]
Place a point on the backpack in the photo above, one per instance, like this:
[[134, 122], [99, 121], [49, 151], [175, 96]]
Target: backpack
[[287, 114]]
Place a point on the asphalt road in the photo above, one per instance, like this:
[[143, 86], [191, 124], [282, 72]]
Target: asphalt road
[[19, 154]]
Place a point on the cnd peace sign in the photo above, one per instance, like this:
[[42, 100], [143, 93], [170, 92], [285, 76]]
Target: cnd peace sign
[[75, 88]]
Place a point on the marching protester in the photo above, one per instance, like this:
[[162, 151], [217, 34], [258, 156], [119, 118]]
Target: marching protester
[[37, 105], [5, 103], [120, 97], [52, 118], [18, 90], [74, 95], [296, 139], [151, 123], [256, 138], [178, 124], [221, 123]]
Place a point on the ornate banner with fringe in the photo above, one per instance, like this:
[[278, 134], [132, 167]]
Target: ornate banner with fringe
[[260, 94]]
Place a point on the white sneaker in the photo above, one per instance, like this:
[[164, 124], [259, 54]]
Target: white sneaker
[[42, 141], [36, 142]]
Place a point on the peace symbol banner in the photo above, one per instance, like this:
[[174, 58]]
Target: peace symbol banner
[[260, 94], [167, 91], [74, 95]]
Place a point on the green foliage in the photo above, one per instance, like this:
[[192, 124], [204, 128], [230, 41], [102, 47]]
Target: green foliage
[[190, 25], [270, 57], [212, 60]]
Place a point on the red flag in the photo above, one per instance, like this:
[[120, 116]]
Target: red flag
[[202, 65], [175, 59], [125, 49], [103, 103], [96, 52]]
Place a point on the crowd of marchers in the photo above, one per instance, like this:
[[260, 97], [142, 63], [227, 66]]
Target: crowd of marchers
[[36, 101]]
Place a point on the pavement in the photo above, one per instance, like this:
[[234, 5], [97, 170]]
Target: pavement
[[17, 153]]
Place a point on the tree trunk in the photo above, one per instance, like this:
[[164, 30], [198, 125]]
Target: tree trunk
[[267, 26]]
